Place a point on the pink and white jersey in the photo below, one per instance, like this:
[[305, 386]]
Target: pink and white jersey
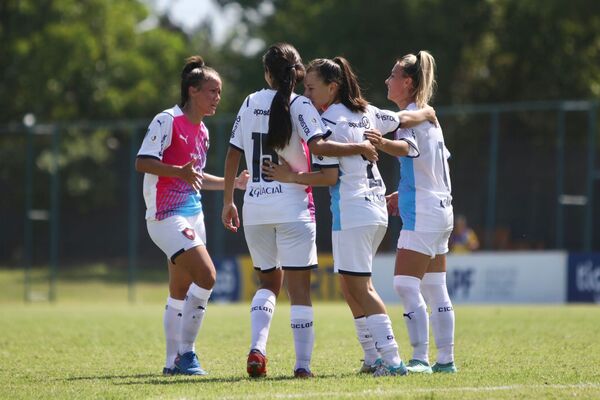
[[173, 139], [267, 201]]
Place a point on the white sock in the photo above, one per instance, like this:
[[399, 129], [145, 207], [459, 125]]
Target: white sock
[[380, 327], [415, 314], [301, 318], [435, 292], [261, 314], [171, 325], [366, 340], [193, 311]]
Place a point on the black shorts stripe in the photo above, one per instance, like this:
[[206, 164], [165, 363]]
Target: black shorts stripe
[[265, 271], [174, 256], [352, 273], [308, 267]]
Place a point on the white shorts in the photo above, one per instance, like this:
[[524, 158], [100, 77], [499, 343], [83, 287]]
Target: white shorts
[[178, 233], [353, 249], [428, 243], [289, 245]]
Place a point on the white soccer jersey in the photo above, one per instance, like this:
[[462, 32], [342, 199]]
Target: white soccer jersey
[[358, 197], [267, 201], [424, 190]]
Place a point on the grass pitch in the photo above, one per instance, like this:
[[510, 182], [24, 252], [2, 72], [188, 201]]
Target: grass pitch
[[107, 348]]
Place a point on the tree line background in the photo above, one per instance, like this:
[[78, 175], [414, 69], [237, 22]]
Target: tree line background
[[77, 60]]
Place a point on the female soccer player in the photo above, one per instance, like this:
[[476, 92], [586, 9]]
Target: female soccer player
[[277, 124], [425, 203], [173, 156], [357, 203]]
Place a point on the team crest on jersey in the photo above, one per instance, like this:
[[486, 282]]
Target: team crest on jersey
[[189, 233]]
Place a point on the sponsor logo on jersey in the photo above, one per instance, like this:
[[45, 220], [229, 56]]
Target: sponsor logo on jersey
[[258, 111], [184, 138], [445, 309], [235, 126], [265, 190], [363, 123], [303, 125], [189, 233], [386, 117]]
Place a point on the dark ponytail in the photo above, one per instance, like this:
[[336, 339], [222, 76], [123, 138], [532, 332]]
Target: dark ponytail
[[339, 71], [284, 64], [350, 93], [194, 73]]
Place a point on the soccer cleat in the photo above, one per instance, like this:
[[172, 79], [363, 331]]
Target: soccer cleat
[[170, 371], [369, 368], [188, 364], [448, 368], [419, 367], [257, 364], [387, 370], [303, 373]]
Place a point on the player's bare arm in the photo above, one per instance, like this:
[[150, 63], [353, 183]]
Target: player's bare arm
[[229, 215], [212, 182], [412, 118], [284, 173], [185, 172], [396, 148], [322, 147]]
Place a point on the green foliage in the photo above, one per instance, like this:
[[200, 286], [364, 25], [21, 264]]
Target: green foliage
[[486, 51], [68, 59]]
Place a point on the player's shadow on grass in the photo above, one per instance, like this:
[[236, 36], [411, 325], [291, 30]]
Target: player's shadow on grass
[[108, 377], [170, 380]]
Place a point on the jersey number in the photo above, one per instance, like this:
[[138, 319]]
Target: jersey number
[[260, 154], [371, 177]]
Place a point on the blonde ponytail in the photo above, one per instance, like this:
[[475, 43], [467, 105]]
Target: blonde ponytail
[[421, 68]]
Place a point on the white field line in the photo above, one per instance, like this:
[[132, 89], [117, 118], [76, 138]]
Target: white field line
[[401, 391]]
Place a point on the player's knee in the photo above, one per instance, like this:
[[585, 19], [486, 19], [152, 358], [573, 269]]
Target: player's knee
[[408, 288]]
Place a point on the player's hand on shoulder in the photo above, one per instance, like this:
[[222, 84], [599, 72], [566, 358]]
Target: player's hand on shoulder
[[430, 114]]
